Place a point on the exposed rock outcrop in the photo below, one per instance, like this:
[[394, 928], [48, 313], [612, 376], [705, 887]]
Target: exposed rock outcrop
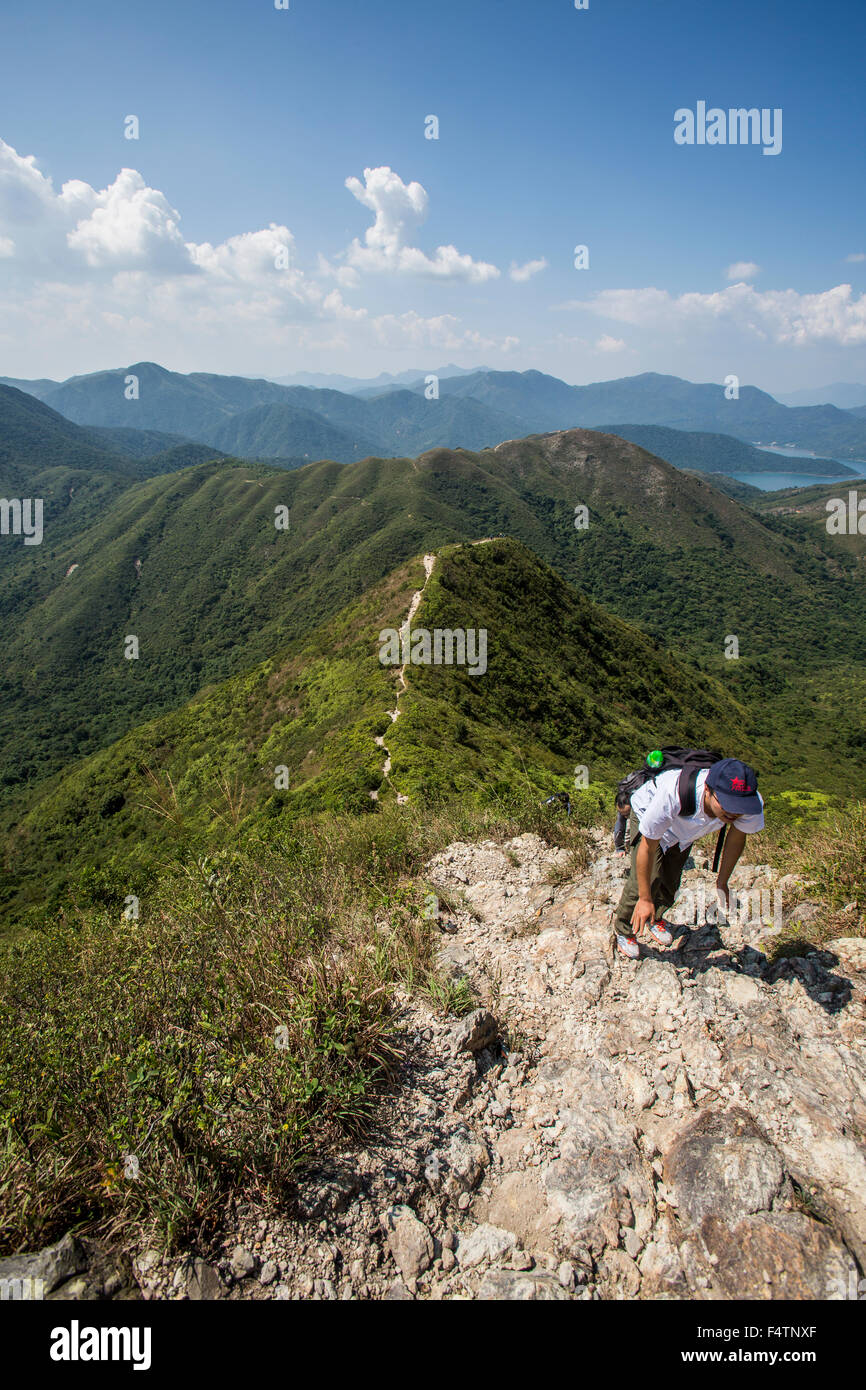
[[689, 1126]]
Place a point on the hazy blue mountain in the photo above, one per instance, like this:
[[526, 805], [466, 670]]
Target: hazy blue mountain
[[33, 438], [40, 388], [845, 394], [287, 431], [339, 408], [718, 453], [546, 403], [260, 419], [192, 406], [39, 448], [474, 409], [370, 385], [541, 402], [139, 444], [332, 424], [406, 422]]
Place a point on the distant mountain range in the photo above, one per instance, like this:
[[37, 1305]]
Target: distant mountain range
[[546, 403], [193, 406], [715, 453], [262, 419], [352, 384], [848, 395], [259, 419], [331, 424]]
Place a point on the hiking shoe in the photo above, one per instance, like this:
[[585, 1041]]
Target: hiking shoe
[[628, 946], [661, 933]]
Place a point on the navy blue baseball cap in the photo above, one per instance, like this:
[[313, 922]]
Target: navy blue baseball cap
[[735, 784]]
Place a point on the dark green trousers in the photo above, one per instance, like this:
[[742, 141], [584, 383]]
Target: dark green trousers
[[665, 875]]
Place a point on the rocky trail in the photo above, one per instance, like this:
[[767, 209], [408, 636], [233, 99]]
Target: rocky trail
[[687, 1126], [378, 739], [405, 630]]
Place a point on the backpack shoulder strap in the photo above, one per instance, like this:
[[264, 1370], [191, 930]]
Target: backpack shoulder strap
[[687, 789]]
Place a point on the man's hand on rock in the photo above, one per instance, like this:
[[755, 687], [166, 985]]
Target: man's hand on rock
[[643, 914]]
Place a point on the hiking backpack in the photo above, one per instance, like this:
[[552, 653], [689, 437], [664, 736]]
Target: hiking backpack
[[690, 761]]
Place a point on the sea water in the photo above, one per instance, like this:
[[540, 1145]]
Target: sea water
[[769, 482]]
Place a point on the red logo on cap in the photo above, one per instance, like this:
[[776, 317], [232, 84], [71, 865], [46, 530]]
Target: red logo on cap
[[738, 784]]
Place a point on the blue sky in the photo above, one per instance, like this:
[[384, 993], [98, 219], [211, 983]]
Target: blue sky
[[556, 128]]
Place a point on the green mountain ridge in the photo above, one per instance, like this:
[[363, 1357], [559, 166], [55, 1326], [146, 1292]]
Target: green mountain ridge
[[565, 684], [35, 438], [806, 508], [75, 472], [192, 565], [281, 430]]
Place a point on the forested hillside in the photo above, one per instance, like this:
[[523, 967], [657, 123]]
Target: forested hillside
[[194, 567], [564, 684]]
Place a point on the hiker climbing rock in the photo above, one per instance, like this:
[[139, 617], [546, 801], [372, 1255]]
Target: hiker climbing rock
[[680, 796]]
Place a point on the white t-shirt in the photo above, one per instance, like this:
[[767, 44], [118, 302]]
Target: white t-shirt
[[657, 807]]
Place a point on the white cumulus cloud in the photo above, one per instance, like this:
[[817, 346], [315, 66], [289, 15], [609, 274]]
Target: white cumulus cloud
[[520, 273], [440, 331], [128, 224], [742, 270], [344, 275], [399, 209], [835, 315], [91, 275], [608, 344], [111, 265], [249, 256]]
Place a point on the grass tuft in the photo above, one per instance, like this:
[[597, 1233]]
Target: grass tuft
[[153, 1069]]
